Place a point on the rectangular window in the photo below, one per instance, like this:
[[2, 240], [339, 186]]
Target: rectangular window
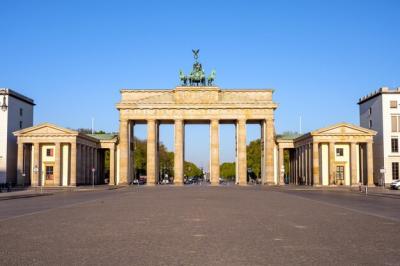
[[340, 172], [370, 123], [49, 152], [394, 123], [339, 152], [395, 170], [393, 104], [21, 112], [20, 124], [395, 145], [370, 111], [49, 173]]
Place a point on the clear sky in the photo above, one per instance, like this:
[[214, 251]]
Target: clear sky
[[72, 57]]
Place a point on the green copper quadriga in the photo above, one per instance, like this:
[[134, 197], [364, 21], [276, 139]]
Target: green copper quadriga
[[197, 76]]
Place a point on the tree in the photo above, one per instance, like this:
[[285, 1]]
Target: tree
[[254, 157], [192, 170], [166, 160], [228, 171]]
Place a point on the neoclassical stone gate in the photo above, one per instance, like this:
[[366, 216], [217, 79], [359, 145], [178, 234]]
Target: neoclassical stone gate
[[196, 104]]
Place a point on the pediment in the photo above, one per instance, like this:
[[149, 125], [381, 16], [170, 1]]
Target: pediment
[[45, 129], [343, 129]]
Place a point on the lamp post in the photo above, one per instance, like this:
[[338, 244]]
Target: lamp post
[[4, 105]]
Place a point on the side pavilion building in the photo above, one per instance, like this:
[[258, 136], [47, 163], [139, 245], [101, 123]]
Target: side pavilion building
[[341, 154], [49, 155]]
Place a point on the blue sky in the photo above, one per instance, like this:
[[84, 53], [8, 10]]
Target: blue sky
[[72, 57]]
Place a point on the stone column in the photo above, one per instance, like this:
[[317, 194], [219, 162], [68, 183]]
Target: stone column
[[370, 164], [353, 164], [57, 164], [310, 164], [269, 150], [78, 159], [315, 164], [281, 173], [178, 159], [331, 163], [151, 152], [306, 163], [112, 167], [124, 151], [296, 166], [20, 165], [85, 164], [214, 152], [96, 166], [242, 152], [36, 164], [89, 165], [72, 181]]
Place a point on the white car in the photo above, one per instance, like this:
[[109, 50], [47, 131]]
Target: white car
[[395, 184]]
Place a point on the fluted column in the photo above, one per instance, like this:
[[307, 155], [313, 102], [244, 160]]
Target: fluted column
[[269, 143], [315, 164], [353, 164], [57, 164], [151, 152], [73, 170], [370, 164], [214, 151], [331, 163], [178, 159], [20, 165], [242, 157], [112, 167], [124, 151]]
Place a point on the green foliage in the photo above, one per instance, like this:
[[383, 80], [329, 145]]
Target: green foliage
[[192, 170], [140, 156], [89, 131], [286, 161], [166, 160], [289, 135], [166, 163], [254, 157], [227, 171]]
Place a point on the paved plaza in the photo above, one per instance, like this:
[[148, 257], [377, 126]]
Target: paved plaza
[[201, 225]]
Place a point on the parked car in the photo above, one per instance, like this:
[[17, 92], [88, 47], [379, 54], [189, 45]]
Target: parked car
[[395, 184], [140, 181]]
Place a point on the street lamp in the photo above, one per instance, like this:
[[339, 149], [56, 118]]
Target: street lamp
[[4, 105]]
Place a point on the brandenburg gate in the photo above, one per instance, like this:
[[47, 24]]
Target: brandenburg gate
[[196, 101]]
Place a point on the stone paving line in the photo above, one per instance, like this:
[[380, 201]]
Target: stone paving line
[[37, 192]]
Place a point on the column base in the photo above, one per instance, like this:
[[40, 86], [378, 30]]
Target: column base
[[214, 184], [178, 184]]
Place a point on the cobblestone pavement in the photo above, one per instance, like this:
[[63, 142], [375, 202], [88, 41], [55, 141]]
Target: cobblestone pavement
[[200, 225]]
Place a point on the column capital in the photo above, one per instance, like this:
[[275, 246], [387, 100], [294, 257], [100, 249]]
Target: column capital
[[242, 121]]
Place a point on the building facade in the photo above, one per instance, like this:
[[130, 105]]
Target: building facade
[[341, 154], [49, 155], [16, 112], [380, 111]]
